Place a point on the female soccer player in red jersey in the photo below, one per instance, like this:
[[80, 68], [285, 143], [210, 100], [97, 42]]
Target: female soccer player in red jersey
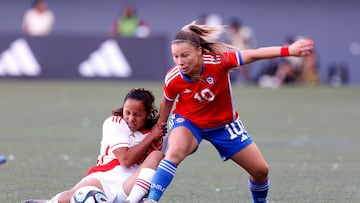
[[129, 152], [205, 106]]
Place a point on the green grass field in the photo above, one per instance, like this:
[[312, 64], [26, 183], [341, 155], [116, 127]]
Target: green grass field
[[50, 132]]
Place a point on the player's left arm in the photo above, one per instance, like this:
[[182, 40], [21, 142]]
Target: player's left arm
[[301, 47]]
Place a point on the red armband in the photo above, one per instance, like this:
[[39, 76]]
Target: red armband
[[284, 51]]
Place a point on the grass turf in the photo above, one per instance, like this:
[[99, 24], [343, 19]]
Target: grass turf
[[50, 132]]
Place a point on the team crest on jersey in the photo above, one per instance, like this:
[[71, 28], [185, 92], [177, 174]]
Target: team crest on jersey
[[210, 80], [180, 120]]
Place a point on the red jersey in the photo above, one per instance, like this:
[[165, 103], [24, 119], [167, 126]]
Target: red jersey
[[207, 102]]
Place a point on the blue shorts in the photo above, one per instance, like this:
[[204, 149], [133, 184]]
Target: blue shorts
[[228, 139]]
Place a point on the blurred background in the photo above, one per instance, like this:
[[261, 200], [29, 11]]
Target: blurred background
[[54, 53], [84, 37]]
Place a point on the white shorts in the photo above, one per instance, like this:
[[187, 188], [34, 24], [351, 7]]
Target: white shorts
[[112, 181]]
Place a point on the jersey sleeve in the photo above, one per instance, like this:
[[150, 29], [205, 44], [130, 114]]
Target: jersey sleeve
[[170, 92], [233, 59], [116, 133]]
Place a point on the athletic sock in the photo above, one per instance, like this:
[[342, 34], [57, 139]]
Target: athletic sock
[[259, 191], [142, 185], [162, 178], [55, 199]]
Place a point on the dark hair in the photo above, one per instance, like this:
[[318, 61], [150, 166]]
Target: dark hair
[[148, 100], [36, 2], [234, 22]]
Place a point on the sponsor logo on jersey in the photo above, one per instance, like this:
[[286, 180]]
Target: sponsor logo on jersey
[[186, 91], [107, 61], [19, 60]]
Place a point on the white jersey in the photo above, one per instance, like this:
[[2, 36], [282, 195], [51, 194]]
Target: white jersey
[[116, 133], [108, 169], [38, 24]]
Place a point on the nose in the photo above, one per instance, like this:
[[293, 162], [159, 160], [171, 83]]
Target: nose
[[131, 117], [179, 61]]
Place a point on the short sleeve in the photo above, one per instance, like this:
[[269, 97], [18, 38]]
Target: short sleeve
[[116, 133]]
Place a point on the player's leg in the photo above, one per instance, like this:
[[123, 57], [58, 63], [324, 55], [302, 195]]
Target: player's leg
[[234, 143], [138, 185], [251, 159], [64, 197], [181, 142]]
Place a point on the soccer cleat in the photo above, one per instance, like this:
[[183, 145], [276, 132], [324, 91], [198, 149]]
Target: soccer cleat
[[146, 200], [35, 201]]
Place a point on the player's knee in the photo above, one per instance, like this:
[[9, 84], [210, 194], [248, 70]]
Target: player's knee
[[64, 197], [153, 159], [176, 155], [261, 173], [156, 156]]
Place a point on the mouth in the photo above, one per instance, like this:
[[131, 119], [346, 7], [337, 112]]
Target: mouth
[[184, 70], [131, 126]]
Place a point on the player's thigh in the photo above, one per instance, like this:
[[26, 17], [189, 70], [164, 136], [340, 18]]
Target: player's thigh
[[251, 159], [181, 142]]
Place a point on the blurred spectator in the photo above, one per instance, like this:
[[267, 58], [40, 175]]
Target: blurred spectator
[[129, 24], [290, 70], [310, 70], [241, 37], [209, 19], [338, 74], [38, 20]]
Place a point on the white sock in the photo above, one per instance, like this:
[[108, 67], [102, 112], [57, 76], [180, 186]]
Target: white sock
[[55, 199], [142, 185]]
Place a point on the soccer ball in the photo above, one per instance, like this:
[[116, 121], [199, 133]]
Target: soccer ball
[[89, 194]]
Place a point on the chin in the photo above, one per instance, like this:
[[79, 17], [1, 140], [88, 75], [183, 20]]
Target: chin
[[132, 129], [186, 72]]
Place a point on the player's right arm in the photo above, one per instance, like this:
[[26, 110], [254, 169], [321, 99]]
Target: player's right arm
[[170, 93], [165, 109]]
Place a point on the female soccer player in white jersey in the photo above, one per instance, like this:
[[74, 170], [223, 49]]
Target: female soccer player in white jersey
[[123, 164], [205, 106]]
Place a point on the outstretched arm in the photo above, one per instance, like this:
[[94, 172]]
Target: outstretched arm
[[301, 47]]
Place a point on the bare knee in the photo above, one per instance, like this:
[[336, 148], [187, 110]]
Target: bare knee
[[260, 174], [153, 159], [65, 197], [176, 155]]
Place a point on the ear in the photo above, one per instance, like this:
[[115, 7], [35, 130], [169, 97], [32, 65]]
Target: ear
[[199, 51], [148, 116]]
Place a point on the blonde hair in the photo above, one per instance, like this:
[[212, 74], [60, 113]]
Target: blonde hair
[[203, 36]]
